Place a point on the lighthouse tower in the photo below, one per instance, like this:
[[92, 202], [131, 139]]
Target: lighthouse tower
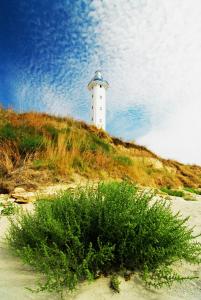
[[98, 88]]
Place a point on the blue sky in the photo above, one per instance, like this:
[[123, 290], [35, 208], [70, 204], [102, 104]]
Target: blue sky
[[148, 50]]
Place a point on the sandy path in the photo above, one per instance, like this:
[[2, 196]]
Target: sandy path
[[14, 276]]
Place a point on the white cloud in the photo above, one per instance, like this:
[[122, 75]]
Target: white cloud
[[152, 50], [179, 136]]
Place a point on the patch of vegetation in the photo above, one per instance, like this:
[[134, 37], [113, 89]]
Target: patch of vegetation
[[7, 132], [115, 283], [8, 209], [193, 190], [39, 164], [172, 192], [87, 232], [30, 143], [61, 140], [123, 160], [97, 143], [26, 137], [189, 198], [52, 131], [78, 163]]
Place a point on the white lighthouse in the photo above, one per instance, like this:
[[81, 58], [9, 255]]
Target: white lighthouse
[[98, 88]]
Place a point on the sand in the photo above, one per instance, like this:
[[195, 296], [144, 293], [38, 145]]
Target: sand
[[14, 276]]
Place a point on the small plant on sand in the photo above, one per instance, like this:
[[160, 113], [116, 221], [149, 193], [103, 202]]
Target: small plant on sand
[[114, 227], [171, 192], [193, 190], [7, 209], [115, 283]]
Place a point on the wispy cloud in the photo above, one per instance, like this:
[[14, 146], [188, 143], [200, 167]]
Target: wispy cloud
[[153, 58]]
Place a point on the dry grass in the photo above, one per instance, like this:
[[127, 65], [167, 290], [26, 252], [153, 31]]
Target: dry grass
[[9, 157], [71, 146]]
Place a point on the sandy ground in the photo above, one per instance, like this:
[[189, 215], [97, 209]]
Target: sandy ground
[[14, 276]]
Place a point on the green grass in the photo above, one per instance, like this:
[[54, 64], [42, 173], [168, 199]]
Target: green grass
[[115, 283], [98, 143], [7, 132], [40, 164], [26, 137], [52, 132], [30, 143], [8, 209], [192, 190], [172, 192], [87, 232], [123, 160]]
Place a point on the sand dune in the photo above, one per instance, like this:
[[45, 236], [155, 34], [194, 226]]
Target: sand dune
[[14, 276]]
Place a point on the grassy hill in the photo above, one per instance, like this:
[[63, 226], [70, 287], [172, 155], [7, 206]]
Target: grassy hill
[[39, 148]]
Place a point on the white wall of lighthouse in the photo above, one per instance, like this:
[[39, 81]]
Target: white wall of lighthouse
[[98, 109], [98, 87]]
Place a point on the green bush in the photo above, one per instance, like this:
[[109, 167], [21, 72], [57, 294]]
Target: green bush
[[26, 137], [192, 190], [78, 163], [7, 132], [115, 283], [98, 143], [39, 164], [87, 232], [52, 131], [7, 209], [30, 143], [171, 192], [123, 160]]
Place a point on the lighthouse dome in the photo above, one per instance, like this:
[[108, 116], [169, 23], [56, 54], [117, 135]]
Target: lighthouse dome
[[98, 79], [98, 75]]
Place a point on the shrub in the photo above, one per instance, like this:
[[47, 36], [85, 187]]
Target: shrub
[[7, 132], [7, 209], [123, 160], [97, 143], [29, 143], [88, 232], [78, 163], [171, 192], [192, 190], [52, 131], [115, 283], [39, 164]]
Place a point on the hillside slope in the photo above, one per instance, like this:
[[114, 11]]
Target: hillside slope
[[37, 148]]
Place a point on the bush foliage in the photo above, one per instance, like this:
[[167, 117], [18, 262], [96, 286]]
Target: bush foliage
[[172, 192], [87, 232], [123, 160], [193, 190]]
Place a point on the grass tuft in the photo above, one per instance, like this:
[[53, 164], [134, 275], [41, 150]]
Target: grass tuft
[[193, 190], [7, 209], [87, 232], [172, 192], [123, 160], [115, 283]]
